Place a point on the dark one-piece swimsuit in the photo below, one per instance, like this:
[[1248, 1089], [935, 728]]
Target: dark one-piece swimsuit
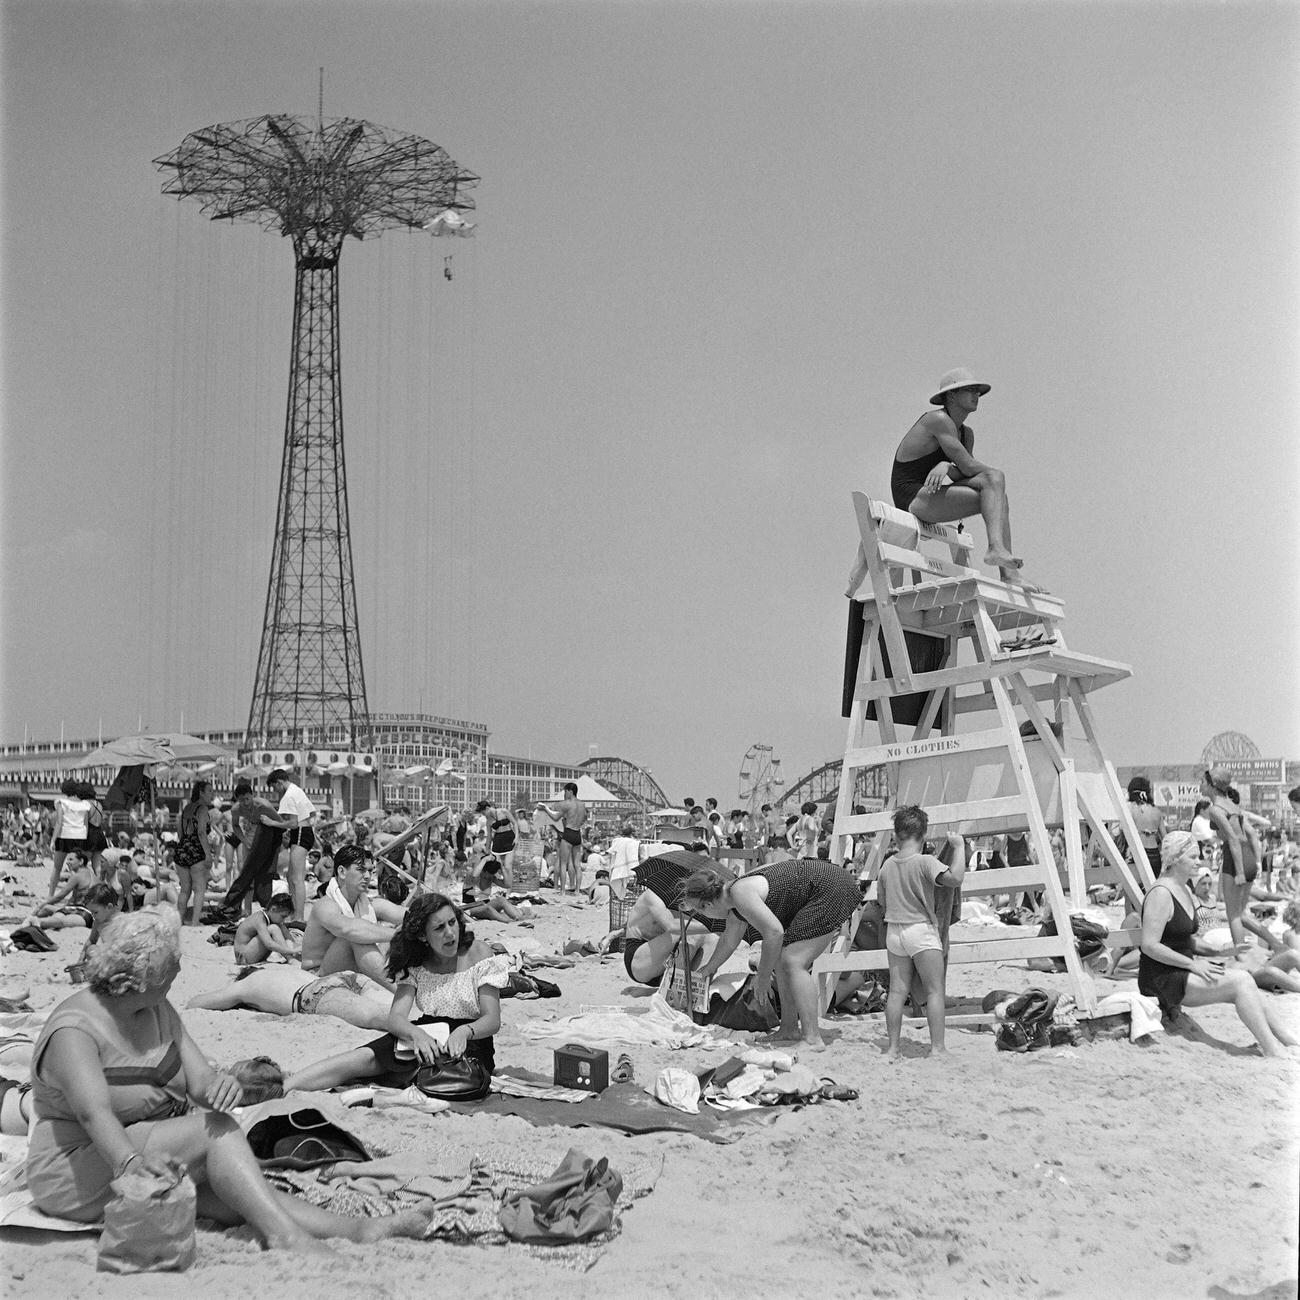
[[1168, 984], [907, 477]]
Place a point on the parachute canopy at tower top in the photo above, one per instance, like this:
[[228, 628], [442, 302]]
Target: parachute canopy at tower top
[[340, 176]]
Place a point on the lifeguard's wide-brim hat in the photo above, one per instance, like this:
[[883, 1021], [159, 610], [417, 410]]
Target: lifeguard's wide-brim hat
[[959, 378]]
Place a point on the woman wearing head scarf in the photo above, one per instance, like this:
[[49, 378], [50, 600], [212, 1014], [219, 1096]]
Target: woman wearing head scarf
[[118, 1084], [1174, 967]]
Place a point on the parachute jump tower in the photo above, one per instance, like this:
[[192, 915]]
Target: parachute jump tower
[[317, 183]]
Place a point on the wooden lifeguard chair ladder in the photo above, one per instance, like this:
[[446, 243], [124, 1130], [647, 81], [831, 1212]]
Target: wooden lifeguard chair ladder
[[941, 640]]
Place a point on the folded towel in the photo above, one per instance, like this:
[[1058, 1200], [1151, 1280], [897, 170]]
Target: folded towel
[[1144, 1012]]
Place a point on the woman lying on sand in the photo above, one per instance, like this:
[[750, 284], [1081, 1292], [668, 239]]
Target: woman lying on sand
[[288, 990]]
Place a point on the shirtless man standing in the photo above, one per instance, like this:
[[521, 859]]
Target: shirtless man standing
[[569, 819], [344, 930], [936, 477]]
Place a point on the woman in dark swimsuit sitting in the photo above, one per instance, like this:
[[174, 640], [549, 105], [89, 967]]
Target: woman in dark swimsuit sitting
[[1172, 969]]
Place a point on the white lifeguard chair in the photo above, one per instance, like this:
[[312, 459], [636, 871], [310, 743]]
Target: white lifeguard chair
[[931, 641]]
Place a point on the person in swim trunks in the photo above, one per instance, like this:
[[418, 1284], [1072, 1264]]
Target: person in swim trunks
[[70, 908], [936, 477], [264, 931], [650, 936], [286, 990]]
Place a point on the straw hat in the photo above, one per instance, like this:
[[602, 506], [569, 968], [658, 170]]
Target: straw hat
[[959, 378]]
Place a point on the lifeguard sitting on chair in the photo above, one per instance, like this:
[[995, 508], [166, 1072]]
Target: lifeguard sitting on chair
[[938, 480]]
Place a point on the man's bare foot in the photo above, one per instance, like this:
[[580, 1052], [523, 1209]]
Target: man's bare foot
[[1018, 579], [893, 1054], [995, 555], [817, 1044]]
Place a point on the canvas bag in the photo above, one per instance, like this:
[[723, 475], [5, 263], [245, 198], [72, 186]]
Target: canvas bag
[[31, 938], [575, 1203], [148, 1225]]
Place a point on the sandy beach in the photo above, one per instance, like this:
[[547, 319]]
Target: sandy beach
[[1110, 1169]]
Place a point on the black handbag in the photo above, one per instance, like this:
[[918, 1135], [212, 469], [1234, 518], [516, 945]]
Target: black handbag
[[740, 1010], [461, 1078]]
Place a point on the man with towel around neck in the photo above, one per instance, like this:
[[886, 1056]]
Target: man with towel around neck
[[344, 931]]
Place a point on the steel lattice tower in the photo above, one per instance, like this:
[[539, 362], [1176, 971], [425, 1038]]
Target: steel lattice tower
[[317, 183]]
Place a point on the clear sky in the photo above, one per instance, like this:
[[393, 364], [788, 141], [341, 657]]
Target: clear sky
[[600, 479]]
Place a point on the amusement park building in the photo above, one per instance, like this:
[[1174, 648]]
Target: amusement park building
[[401, 740]]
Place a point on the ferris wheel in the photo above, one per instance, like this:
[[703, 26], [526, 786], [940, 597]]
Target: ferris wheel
[[1227, 747], [760, 778]]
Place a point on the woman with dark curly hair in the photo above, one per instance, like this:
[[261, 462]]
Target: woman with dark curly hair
[[1147, 819], [194, 858], [452, 982]]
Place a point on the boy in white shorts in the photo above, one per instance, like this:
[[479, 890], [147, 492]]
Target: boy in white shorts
[[905, 889]]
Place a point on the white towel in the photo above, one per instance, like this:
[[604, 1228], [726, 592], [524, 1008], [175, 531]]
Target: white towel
[[364, 910], [1144, 1012]]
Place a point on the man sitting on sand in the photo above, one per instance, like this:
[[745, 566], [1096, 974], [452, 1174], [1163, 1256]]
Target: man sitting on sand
[[286, 990], [938, 480], [344, 930], [651, 934], [66, 907], [264, 931]]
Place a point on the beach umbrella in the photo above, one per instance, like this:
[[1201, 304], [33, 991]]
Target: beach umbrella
[[589, 791], [664, 874], [172, 773], [668, 812], [156, 747], [420, 774], [251, 771]]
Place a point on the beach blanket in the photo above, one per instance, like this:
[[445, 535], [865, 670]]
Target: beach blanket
[[625, 1107], [465, 1201], [655, 1025], [17, 1209]]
